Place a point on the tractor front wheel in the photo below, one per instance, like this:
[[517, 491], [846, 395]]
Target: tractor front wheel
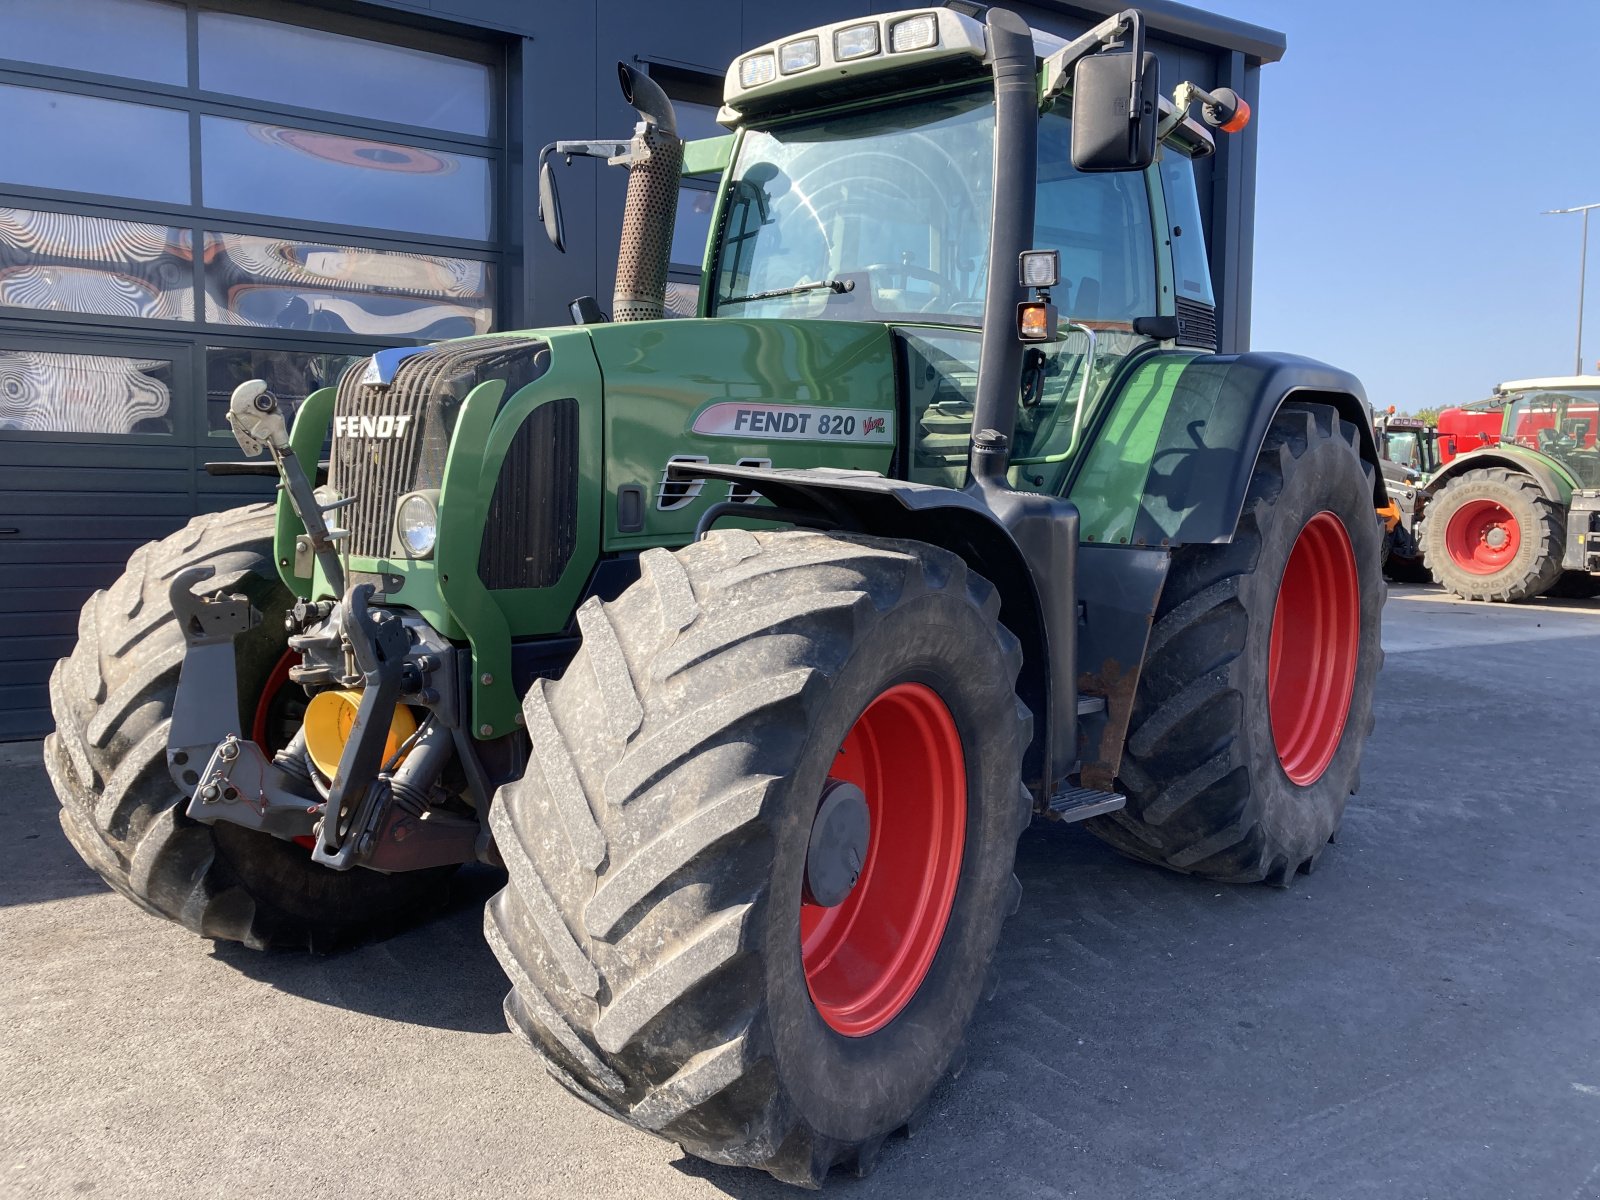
[[112, 702], [764, 845], [1256, 694], [1492, 534]]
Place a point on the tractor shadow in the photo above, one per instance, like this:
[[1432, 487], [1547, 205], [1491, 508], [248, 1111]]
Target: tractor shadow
[[1087, 970], [440, 973]]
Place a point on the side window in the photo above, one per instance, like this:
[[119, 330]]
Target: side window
[[941, 371], [1191, 265], [695, 99], [1101, 225]]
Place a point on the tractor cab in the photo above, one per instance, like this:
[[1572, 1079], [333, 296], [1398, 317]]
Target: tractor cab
[[842, 205], [1558, 418]]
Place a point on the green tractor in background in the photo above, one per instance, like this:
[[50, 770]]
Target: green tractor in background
[[749, 644], [1517, 516]]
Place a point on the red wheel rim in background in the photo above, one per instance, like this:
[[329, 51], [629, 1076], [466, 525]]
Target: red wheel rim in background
[[1469, 535], [866, 957], [1316, 633]]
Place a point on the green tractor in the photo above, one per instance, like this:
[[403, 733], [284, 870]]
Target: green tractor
[[1518, 516], [749, 644]]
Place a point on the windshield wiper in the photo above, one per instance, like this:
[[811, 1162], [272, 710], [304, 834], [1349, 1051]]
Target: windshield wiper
[[836, 286]]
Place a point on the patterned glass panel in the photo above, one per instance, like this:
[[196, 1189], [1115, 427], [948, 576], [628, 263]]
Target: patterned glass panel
[[248, 166], [45, 392], [285, 284], [61, 262], [682, 298], [290, 374]]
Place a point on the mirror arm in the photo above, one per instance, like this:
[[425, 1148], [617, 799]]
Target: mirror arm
[[1058, 67]]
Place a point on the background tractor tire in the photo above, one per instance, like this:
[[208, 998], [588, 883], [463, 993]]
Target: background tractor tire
[[653, 924], [112, 701], [1229, 774], [1492, 534]]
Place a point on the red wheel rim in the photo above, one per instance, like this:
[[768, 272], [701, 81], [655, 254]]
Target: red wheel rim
[[1316, 633], [1482, 537], [261, 727], [866, 957]]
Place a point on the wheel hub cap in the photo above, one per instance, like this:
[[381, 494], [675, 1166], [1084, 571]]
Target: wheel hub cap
[[1482, 537], [839, 839]]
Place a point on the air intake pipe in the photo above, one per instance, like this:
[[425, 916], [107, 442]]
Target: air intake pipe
[[655, 159]]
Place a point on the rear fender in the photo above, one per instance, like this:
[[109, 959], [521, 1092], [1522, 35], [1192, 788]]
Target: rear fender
[[1171, 456]]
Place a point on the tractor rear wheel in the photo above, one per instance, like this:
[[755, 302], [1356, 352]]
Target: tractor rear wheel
[[763, 849], [1492, 534], [112, 701], [1256, 694]]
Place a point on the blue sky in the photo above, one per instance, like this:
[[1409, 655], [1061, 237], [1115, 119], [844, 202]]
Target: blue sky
[[1407, 149]]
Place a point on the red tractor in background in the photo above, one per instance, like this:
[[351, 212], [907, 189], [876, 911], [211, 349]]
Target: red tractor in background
[[1514, 510], [1470, 427]]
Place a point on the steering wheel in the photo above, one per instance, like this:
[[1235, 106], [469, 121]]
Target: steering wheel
[[945, 285]]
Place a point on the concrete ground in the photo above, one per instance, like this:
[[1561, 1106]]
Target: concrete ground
[[1420, 1018]]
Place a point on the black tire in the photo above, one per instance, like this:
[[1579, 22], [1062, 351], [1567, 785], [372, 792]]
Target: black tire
[[1575, 585], [1207, 791], [1541, 526], [112, 701], [651, 924]]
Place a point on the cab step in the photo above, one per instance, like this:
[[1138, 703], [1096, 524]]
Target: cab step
[[1081, 803]]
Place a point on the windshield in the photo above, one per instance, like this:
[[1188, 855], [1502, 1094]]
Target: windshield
[[1403, 448], [1566, 426], [870, 215]]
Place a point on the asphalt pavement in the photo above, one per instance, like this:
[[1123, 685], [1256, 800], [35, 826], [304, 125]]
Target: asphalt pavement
[[1420, 1018]]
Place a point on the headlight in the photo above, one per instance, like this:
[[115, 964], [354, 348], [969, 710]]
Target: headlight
[[799, 55], [914, 33], [757, 69], [416, 523], [856, 41]]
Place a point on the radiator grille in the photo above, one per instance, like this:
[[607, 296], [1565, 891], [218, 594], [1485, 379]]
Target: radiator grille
[[390, 440], [1197, 324], [532, 526]]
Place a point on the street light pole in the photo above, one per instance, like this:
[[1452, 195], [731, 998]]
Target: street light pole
[[1583, 262]]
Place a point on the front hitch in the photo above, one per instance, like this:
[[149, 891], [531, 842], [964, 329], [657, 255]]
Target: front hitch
[[238, 782]]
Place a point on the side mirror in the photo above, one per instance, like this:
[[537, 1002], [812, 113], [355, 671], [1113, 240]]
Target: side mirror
[[550, 203], [1106, 136]]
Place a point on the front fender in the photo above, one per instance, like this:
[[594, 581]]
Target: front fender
[[1024, 544], [1170, 457]]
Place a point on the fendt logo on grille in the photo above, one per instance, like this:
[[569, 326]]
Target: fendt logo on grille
[[385, 426]]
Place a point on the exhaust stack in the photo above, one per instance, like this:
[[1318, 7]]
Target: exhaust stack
[[655, 160]]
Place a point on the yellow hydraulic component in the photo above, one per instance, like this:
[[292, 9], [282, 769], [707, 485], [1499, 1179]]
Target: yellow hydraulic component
[[329, 719], [1389, 514]]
